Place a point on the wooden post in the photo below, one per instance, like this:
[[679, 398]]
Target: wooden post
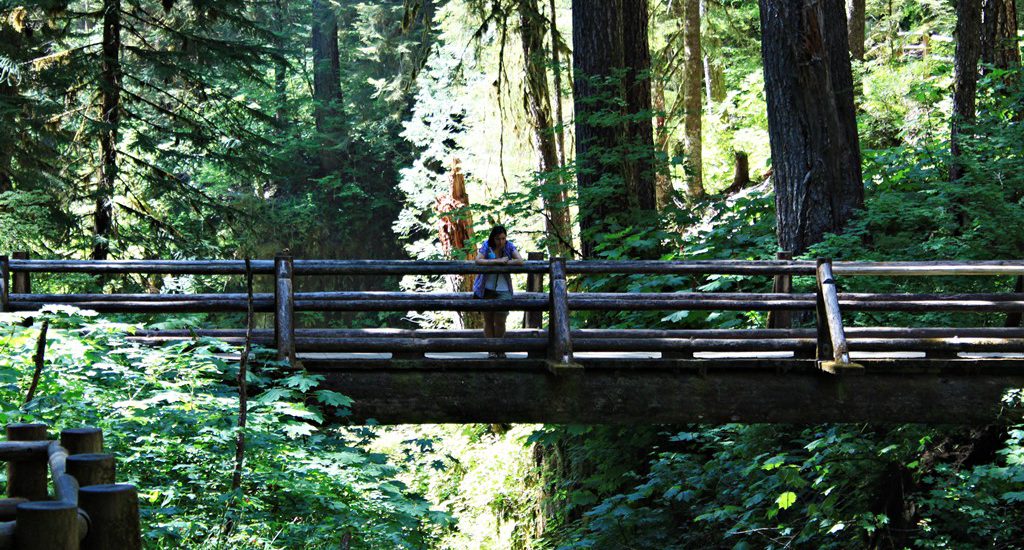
[[824, 352], [1014, 317], [92, 468], [559, 335], [22, 283], [47, 525], [782, 284], [534, 319], [534, 283], [829, 314], [27, 478], [114, 514], [82, 440], [5, 278], [284, 308]]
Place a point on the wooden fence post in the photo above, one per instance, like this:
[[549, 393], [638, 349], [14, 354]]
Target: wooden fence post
[[27, 478], [82, 440], [47, 525], [534, 283], [92, 468], [22, 282], [114, 516], [781, 284], [5, 281], [1014, 317], [284, 308], [559, 335], [824, 348], [837, 361]]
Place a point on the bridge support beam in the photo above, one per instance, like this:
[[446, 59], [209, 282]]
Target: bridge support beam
[[655, 391]]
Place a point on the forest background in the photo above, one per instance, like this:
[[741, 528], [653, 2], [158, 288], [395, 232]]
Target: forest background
[[606, 128]]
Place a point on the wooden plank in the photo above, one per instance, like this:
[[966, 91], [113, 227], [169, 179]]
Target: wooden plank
[[828, 300], [409, 267], [675, 391], [932, 268], [185, 306], [425, 303], [692, 267], [363, 345], [167, 267]]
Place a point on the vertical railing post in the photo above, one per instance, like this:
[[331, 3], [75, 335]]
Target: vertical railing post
[[284, 308], [781, 284], [824, 347], [27, 478], [5, 282], [22, 283], [534, 283], [831, 316], [559, 335], [1014, 317], [114, 516], [47, 525]]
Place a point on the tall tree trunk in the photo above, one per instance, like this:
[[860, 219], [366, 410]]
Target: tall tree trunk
[[327, 97], [811, 127], [965, 77], [663, 191], [596, 32], [556, 211], [557, 95], [855, 25], [110, 105], [999, 34], [639, 131], [280, 68], [610, 39], [692, 69]]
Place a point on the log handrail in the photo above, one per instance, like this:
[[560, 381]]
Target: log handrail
[[575, 267], [285, 303]]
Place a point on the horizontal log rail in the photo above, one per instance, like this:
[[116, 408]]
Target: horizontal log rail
[[833, 340]]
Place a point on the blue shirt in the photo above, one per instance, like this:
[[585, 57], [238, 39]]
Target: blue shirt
[[486, 252]]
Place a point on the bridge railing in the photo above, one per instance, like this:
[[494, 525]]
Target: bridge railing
[[828, 341]]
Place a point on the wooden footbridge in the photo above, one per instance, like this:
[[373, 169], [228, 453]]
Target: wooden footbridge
[[824, 372]]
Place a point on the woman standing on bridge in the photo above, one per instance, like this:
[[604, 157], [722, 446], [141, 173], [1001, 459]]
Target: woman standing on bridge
[[497, 250]]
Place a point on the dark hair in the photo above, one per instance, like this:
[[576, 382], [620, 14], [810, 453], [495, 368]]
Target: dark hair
[[495, 231]]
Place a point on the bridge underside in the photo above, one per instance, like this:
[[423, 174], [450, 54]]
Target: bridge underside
[[656, 390]]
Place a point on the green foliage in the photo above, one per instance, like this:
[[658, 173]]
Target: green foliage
[[169, 415], [827, 487]]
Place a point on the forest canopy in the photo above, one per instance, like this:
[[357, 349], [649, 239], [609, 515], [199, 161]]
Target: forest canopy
[[592, 129]]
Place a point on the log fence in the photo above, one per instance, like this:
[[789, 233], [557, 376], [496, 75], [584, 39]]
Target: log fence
[[829, 341], [88, 510]]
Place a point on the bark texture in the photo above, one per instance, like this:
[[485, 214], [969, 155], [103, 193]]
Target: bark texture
[[811, 123], [110, 105], [692, 69], [327, 95], [965, 77], [538, 109], [855, 25], [614, 145], [999, 34]]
